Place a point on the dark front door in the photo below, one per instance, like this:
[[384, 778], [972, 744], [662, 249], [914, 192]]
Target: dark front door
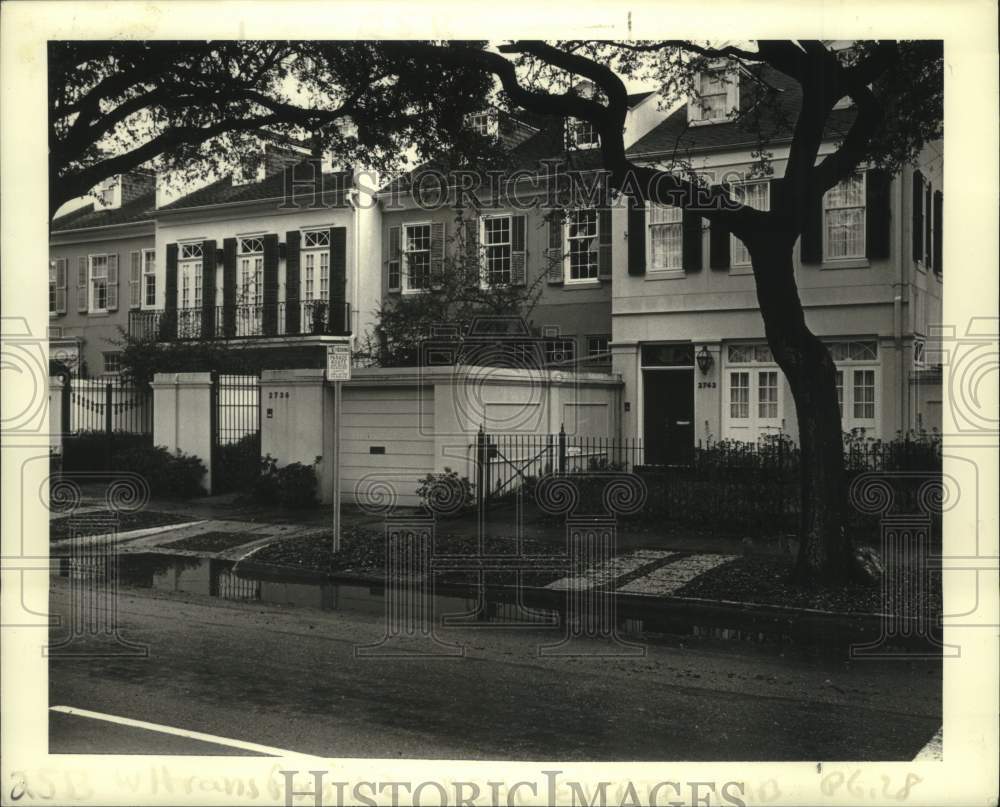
[[668, 415]]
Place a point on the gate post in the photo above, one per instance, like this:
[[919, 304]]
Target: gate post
[[182, 413]]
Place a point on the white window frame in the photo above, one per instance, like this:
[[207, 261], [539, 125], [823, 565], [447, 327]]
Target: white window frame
[[405, 252], [671, 212], [483, 123], [485, 273], [827, 258], [104, 362], [314, 273], [597, 338], [696, 109], [576, 126], [148, 278], [53, 288], [846, 367], [755, 367], [737, 249], [556, 348], [568, 240], [92, 279]]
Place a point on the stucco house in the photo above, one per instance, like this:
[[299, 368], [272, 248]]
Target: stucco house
[[102, 265], [688, 338], [279, 260], [524, 228]]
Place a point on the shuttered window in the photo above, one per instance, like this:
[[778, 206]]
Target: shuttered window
[[417, 256], [758, 196], [582, 245], [844, 219], [497, 250], [665, 238]]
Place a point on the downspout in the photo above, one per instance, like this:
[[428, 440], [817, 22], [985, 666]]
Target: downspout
[[356, 277], [897, 310]]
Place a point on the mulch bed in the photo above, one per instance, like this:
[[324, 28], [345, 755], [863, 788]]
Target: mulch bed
[[215, 541], [98, 522], [766, 580], [363, 552]]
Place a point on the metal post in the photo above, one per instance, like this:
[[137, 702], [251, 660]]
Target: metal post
[[108, 422], [562, 449], [337, 390]]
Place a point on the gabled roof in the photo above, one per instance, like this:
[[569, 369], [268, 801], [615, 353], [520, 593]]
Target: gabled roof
[[139, 209], [762, 119], [636, 98], [335, 183]]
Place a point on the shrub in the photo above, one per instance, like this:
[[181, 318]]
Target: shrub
[[88, 450], [176, 475], [446, 493], [293, 485]]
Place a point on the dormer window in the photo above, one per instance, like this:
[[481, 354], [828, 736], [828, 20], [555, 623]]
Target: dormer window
[[483, 124], [716, 96], [108, 194], [583, 135]]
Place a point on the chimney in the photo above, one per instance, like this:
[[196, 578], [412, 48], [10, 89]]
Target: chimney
[[136, 184]]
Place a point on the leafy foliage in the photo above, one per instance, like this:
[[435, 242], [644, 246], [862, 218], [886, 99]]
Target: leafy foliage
[[169, 475], [293, 485]]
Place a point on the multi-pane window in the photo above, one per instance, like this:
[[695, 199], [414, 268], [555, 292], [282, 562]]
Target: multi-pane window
[[767, 394], [583, 244], [149, 276], [53, 287], [112, 362], [417, 256], [480, 123], [857, 382], [864, 394], [844, 219], [315, 279], [98, 283], [754, 391], [497, 249], [250, 280], [597, 345], [752, 194], [665, 237], [560, 351], [584, 134], [714, 95], [191, 251], [739, 395]]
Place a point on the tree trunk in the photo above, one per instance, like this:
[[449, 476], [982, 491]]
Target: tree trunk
[[824, 544]]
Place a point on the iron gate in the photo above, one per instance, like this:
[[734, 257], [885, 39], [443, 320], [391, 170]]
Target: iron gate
[[103, 417], [235, 432]]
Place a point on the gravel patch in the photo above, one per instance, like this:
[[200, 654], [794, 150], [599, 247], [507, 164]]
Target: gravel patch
[[97, 522]]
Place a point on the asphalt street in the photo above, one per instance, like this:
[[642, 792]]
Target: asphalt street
[[226, 677]]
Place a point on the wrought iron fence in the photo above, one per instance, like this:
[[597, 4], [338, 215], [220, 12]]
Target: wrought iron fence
[[308, 318], [235, 426], [102, 417]]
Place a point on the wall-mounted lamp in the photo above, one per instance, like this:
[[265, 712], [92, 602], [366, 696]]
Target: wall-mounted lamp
[[705, 360]]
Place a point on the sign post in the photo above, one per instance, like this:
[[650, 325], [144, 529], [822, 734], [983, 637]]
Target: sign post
[[338, 370]]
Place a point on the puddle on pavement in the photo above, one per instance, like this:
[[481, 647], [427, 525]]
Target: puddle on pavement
[[214, 577]]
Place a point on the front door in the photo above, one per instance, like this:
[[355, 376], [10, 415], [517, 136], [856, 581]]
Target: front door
[[668, 416]]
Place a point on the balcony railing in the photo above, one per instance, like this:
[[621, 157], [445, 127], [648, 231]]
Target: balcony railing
[[312, 318]]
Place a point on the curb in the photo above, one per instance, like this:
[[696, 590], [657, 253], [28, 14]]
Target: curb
[[681, 615]]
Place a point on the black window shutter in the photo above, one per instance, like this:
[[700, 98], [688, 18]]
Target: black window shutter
[[168, 325], [928, 246], [917, 226], [269, 316], [339, 317], [518, 258], [554, 254], [293, 280], [938, 232], [811, 245], [877, 210], [718, 245], [229, 287], [636, 236], [604, 243], [208, 290], [691, 241]]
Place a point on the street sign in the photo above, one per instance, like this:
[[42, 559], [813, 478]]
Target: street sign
[[338, 363]]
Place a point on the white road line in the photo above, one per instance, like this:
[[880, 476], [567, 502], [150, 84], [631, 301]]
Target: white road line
[[192, 735]]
